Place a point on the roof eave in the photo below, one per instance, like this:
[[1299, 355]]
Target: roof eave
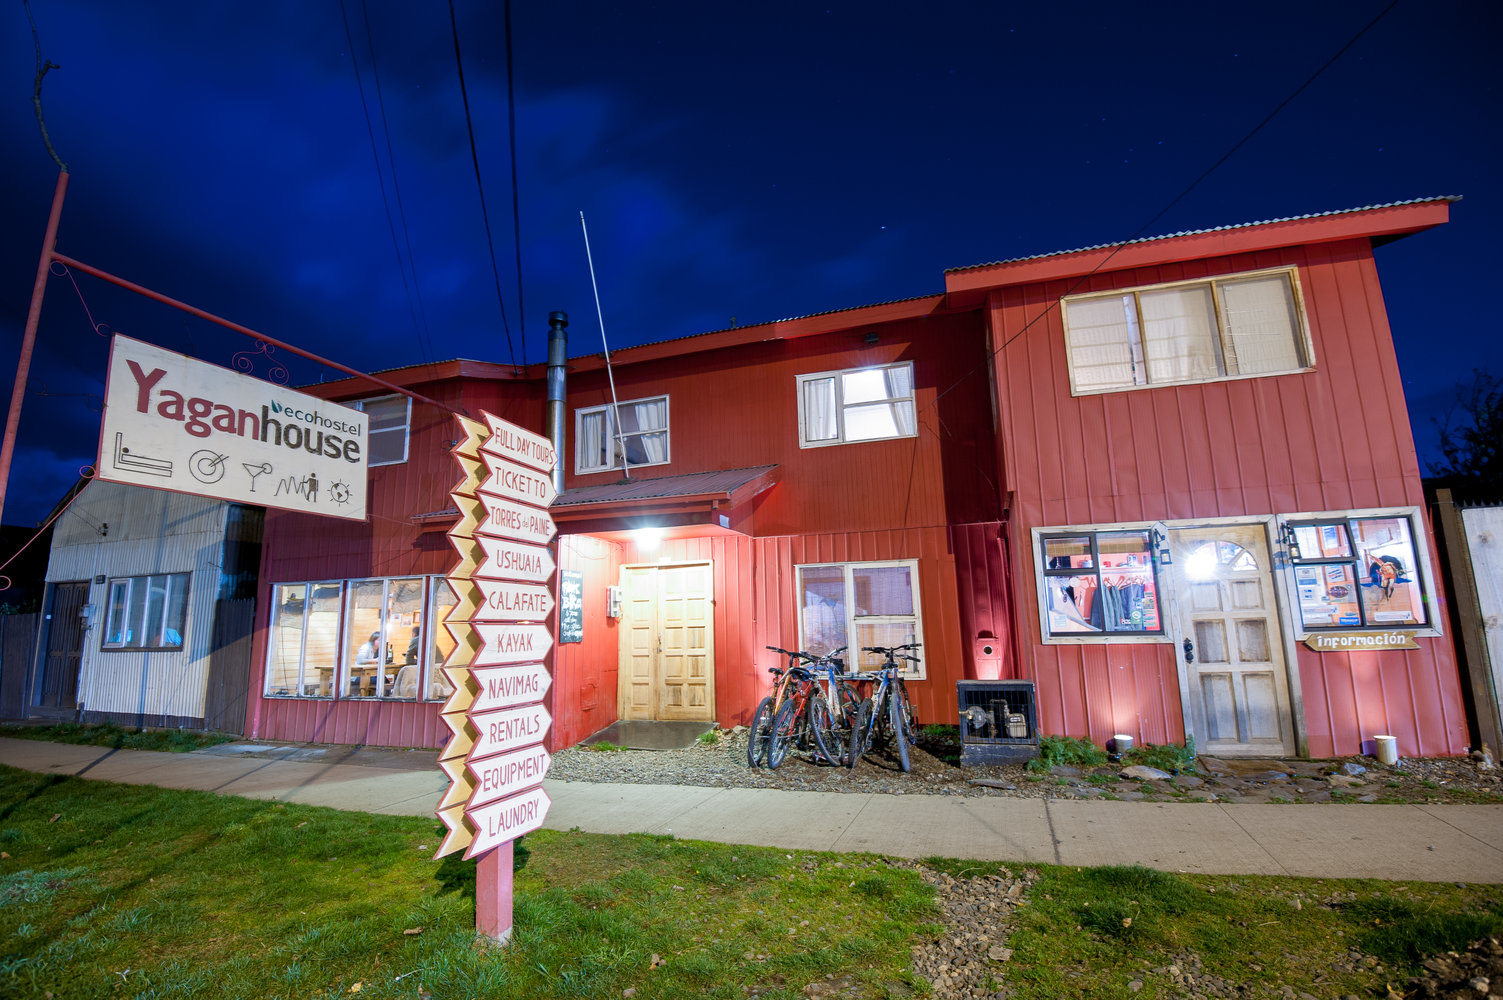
[[970, 285]]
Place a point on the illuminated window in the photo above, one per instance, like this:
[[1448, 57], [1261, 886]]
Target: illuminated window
[[640, 439], [859, 404], [389, 420], [1100, 583], [1358, 572]]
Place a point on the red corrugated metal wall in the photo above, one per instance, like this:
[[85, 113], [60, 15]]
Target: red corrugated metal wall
[[391, 543], [582, 699], [1333, 439]]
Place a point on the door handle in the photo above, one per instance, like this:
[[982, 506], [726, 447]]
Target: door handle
[[1189, 650]]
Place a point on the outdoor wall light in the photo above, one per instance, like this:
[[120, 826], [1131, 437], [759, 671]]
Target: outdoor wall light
[[648, 539], [1290, 538]]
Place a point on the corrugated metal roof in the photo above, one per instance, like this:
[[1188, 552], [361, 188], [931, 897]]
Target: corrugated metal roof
[[693, 484], [1200, 232]]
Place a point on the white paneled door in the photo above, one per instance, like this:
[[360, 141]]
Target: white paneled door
[[1231, 652], [667, 643]]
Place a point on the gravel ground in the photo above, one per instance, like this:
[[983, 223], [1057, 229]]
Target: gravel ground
[[936, 771]]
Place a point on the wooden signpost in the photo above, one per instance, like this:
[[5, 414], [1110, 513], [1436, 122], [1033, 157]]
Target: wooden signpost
[[495, 758]]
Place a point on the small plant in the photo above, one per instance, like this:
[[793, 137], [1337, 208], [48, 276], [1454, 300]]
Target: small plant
[[938, 733], [1068, 751], [710, 738], [605, 746], [1430, 784], [1166, 756]]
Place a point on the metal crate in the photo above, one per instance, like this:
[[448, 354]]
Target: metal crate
[[999, 722]]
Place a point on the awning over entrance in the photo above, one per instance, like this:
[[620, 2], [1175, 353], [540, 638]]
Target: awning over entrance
[[721, 499]]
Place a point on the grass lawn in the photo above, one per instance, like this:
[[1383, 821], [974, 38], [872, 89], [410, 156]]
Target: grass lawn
[[108, 735], [127, 891]]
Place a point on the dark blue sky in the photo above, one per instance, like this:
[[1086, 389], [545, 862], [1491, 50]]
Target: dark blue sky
[[735, 165]]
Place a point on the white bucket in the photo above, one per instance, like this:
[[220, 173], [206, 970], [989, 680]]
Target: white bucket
[[1388, 749], [1121, 743]]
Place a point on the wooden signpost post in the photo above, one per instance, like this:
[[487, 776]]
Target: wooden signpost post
[[495, 758]]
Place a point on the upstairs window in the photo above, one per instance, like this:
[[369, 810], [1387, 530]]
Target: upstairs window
[[859, 404], [1189, 331], [640, 439], [389, 420], [146, 612]]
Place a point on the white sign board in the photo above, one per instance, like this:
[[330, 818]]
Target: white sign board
[[508, 729], [507, 819], [511, 643], [514, 561], [497, 777], [175, 423], [510, 480], [507, 440], [503, 687], [507, 519], [507, 601]]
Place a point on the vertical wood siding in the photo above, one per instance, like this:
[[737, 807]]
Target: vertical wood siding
[[150, 532], [391, 543], [1332, 439], [582, 699]]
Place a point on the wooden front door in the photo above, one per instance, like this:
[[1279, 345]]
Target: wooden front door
[[57, 687], [1231, 649], [667, 643]]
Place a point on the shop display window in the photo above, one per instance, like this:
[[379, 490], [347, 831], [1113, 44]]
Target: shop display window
[[860, 604], [1100, 583], [1359, 572]]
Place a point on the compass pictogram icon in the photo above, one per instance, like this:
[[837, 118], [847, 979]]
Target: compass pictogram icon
[[339, 492]]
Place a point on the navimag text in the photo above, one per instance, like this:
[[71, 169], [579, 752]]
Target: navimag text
[[201, 417]]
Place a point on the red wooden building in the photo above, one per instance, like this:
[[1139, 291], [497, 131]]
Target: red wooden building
[[1061, 469]]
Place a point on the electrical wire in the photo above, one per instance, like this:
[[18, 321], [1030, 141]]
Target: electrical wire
[[402, 265], [516, 201], [480, 187]]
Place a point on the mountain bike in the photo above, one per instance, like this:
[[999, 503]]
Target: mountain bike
[[790, 681], [832, 715], [887, 716]]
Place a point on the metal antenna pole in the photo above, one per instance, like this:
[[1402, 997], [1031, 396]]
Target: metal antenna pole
[[610, 376]]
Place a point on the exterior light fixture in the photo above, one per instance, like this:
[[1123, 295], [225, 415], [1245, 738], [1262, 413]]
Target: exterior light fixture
[[648, 539], [1290, 538]]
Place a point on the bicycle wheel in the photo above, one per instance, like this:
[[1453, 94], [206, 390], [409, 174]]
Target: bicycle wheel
[[896, 724], [783, 726], [910, 729], [850, 704], [756, 738], [859, 733], [827, 736]]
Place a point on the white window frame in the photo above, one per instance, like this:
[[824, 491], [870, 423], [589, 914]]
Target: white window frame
[[804, 441], [614, 460], [1157, 541], [1304, 345], [1419, 533], [362, 404], [911, 671], [130, 584], [428, 664]]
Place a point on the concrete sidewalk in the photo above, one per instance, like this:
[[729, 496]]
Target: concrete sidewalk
[[1428, 843]]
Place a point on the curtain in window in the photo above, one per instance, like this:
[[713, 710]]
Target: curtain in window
[[1100, 342], [900, 385], [819, 410], [1179, 334], [823, 612], [650, 419], [1259, 315], [591, 444]]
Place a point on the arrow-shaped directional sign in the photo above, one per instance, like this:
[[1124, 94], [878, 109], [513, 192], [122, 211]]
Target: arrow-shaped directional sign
[[510, 642], [509, 519], [507, 819], [514, 561], [497, 777], [508, 729], [506, 601], [459, 835], [517, 482], [503, 687], [510, 441]]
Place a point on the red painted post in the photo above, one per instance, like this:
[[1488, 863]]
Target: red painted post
[[493, 893], [28, 341]]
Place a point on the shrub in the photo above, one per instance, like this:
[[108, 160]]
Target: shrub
[[1169, 757], [1066, 750]]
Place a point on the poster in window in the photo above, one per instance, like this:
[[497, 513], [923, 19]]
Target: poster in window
[[570, 606]]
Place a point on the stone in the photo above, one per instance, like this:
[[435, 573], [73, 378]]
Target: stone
[[1343, 781], [1352, 769], [1064, 771], [1130, 796], [1135, 985], [999, 954], [1267, 776], [1142, 772], [1188, 781], [1006, 786]]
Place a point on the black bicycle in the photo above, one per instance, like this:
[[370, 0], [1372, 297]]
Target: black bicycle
[[887, 716]]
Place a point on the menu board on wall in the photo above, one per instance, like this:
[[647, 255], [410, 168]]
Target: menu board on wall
[[570, 606]]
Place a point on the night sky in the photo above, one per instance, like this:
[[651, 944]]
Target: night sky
[[736, 164]]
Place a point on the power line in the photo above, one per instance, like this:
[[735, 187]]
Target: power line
[[380, 176], [516, 209], [479, 185]]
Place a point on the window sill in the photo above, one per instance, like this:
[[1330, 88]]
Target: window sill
[[618, 468], [1198, 381], [1100, 638], [830, 444]]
